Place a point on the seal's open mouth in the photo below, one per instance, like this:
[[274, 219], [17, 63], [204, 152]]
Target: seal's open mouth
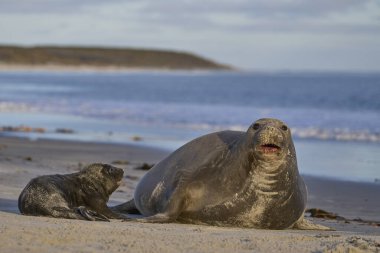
[[270, 148]]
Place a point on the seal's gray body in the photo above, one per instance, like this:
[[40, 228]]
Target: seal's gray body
[[228, 178], [81, 195]]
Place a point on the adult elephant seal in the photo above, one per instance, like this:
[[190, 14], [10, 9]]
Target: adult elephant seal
[[228, 178], [81, 195]]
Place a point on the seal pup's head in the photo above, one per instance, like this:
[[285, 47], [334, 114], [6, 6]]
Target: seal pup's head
[[103, 176], [270, 140]]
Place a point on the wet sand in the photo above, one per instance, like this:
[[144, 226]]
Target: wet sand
[[21, 160]]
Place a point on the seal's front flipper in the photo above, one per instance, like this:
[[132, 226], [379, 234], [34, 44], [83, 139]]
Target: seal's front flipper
[[304, 224], [91, 215], [127, 207], [157, 218]]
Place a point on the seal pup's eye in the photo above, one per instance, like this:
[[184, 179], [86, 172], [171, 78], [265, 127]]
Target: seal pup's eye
[[284, 128], [108, 169], [256, 126]]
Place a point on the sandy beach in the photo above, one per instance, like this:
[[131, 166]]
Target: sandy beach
[[22, 160]]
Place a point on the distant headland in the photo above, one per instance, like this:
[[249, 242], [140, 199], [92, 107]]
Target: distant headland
[[98, 57]]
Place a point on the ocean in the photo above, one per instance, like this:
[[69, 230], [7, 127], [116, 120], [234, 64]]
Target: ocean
[[334, 117]]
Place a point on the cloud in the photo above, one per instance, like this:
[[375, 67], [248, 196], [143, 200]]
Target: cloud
[[49, 6], [265, 15], [252, 33], [196, 8], [267, 8], [217, 15]]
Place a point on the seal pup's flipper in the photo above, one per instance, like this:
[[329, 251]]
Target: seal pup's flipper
[[127, 207], [67, 213], [90, 215], [304, 224]]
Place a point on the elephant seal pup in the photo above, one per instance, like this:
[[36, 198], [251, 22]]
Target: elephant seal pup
[[82, 195], [228, 178]]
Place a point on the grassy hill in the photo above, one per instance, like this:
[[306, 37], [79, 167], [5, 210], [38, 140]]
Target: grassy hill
[[104, 57]]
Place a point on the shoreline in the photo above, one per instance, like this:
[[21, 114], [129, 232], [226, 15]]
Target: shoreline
[[102, 69], [112, 68]]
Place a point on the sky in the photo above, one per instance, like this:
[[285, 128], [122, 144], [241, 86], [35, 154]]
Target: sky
[[261, 35]]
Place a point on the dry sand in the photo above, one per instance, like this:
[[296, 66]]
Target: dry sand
[[21, 160]]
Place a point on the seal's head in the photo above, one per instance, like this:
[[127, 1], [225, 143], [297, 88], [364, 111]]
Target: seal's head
[[270, 139], [104, 176]]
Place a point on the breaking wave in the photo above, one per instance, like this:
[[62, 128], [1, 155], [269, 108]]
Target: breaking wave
[[305, 124]]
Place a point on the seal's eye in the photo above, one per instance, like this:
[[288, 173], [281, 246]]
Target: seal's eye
[[256, 126], [108, 170], [284, 128]]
